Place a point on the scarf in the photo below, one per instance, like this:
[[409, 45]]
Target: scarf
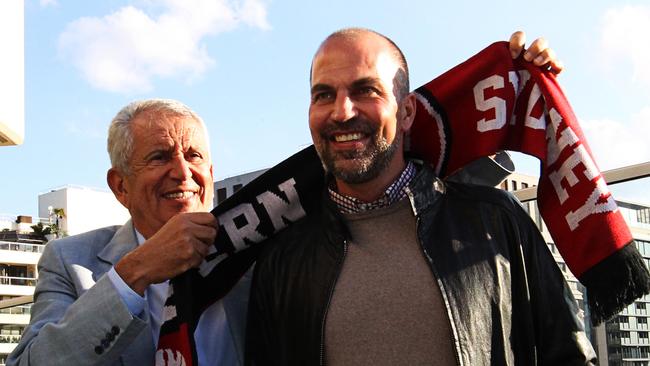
[[487, 104]]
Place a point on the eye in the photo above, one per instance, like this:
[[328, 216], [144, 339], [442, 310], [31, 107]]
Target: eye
[[194, 156], [366, 91], [156, 156], [322, 97]]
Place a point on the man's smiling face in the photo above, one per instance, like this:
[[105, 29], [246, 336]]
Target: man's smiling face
[[353, 115], [169, 170]]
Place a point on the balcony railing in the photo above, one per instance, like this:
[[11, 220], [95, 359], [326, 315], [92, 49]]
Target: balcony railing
[[17, 310], [22, 247], [9, 338], [17, 281]]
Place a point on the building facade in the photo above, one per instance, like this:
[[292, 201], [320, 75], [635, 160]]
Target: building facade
[[85, 208], [20, 250], [625, 339]]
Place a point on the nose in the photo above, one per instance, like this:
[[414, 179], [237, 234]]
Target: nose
[[180, 168], [344, 108]]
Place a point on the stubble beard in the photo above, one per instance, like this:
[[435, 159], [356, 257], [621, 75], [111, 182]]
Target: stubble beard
[[358, 166]]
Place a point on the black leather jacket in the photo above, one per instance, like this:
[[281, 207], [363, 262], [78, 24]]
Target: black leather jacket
[[507, 301]]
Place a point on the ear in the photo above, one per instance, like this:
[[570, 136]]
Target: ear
[[406, 114], [117, 182]]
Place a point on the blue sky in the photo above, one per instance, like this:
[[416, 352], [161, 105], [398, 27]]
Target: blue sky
[[243, 66]]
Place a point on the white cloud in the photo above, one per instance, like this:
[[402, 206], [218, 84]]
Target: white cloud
[[126, 50], [625, 33], [615, 143], [46, 3]]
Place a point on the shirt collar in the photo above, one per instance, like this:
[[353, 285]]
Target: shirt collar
[[394, 193], [139, 237]]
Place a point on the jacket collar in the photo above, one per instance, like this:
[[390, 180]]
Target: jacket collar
[[122, 242], [425, 189]]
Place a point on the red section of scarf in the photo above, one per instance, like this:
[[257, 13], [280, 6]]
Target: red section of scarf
[[490, 103]]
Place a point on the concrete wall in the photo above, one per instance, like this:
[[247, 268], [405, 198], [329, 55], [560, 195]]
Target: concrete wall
[[12, 72], [85, 208]]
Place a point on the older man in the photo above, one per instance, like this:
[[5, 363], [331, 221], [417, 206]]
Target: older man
[[399, 267], [100, 295]]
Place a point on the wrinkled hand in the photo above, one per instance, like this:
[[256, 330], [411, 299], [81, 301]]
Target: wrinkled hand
[[179, 245], [538, 53]]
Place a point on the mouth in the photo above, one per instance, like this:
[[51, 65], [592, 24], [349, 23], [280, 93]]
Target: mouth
[[182, 195], [355, 136]]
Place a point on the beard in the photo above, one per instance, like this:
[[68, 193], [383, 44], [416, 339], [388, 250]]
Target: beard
[[356, 166]]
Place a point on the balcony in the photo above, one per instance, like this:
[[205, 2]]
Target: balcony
[[613, 326], [20, 253], [21, 247], [17, 286]]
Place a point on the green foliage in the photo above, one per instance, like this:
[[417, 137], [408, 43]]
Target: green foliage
[[42, 230]]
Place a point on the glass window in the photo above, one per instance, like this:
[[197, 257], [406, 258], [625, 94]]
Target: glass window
[[221, 195]]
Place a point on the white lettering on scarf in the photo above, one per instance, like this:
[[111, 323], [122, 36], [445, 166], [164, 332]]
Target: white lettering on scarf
[[277, 208], [566, 172], [600, 200]]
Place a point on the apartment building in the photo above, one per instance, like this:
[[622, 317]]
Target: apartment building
[[20, 250], [625, 339]]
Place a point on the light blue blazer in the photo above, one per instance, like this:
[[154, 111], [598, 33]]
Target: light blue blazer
[[77, 310]]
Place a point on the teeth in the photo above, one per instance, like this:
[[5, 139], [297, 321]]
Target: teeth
[[348, 137], [177, 195]]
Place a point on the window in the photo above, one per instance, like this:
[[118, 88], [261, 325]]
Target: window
[[524, 185], [640, 305], [221, 195], [236, 187], [624, 320], [643, 216], [643, 335]]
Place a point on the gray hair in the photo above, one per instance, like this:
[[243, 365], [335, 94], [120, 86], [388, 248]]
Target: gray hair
[[120, 134]]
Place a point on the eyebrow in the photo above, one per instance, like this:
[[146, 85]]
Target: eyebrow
[[355, 84], [320, 87], [365, 81]]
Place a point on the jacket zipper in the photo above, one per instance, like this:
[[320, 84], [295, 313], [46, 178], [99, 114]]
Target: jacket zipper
[[454, 333], [327, 306]]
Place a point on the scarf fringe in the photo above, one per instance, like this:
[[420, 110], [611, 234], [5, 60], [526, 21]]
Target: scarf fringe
[[615, 283]]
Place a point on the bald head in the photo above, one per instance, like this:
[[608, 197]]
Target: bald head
[[352, 35]]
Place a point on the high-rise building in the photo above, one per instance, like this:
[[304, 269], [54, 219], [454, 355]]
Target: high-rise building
[[625, 339], [20, 250]]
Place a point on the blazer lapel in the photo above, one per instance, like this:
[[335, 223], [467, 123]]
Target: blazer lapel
[[122, 242]]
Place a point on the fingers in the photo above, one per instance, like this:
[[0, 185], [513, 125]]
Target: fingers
[[517, 42], [201, 218], [536, 48], [539, 52]]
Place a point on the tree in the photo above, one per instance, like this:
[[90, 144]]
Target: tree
[[41, 230]]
